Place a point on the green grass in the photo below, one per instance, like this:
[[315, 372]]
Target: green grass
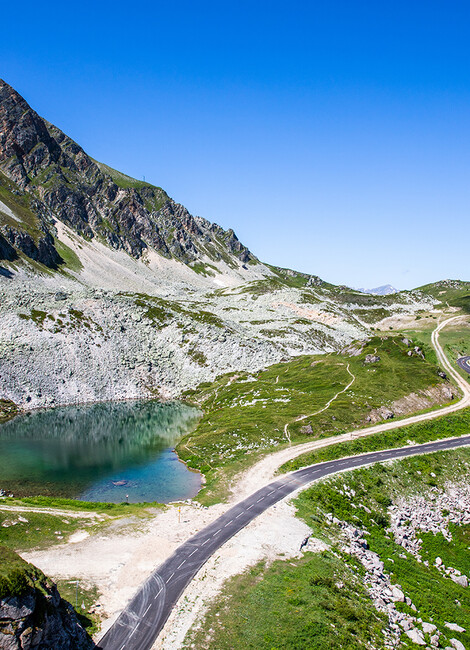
[[446, 426], [161, 311], [309, 604], [24, 528], [22, 531], [112, 509], [8, 409], [84, 599], [244, 415], [16, 575], [204, 269], [20, 204], [453, 293], [436, 597], [71, 259], [123, 180], [455, 342], [454, 553], [422, 338]]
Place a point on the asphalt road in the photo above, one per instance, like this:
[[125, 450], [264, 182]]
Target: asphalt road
[[464, 363], [138, 626]]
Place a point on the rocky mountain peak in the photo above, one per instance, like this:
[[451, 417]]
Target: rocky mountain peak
[[52, 177]]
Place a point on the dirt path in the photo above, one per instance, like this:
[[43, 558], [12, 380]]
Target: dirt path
[[264, 470], [74, 514], [327, 406]]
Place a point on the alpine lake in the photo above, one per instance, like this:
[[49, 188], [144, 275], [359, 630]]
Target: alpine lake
[[109, 452]]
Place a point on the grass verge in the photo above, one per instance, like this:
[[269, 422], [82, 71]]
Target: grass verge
[[447, 426]]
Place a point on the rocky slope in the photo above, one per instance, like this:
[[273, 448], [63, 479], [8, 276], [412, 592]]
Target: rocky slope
[[33, 616], [111, 290], [47, 176]]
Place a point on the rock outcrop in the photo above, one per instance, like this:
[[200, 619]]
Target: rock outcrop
[[33, 616], [47, 176]]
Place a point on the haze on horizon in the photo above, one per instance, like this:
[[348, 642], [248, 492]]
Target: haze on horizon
[[333, 138]]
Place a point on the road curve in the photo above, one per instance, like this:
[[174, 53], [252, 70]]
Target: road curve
[[263, 470], [138, 626], [464, 363]]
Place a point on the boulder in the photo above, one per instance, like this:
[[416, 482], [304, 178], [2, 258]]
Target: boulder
[[397, 594], [460, 580], [454, 627], [456, 644], [416, 636], [429, 628]]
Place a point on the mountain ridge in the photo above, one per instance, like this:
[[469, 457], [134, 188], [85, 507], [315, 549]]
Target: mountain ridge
[[111, 290], [53, 177]]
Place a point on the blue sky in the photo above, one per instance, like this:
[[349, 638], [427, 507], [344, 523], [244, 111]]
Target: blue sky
[[333, 137]]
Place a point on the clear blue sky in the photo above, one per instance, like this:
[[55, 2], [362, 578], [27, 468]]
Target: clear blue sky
[[334, 137]]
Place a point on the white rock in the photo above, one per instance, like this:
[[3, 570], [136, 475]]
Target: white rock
[[460, 580], [416, 636], [456, 644], [397, 594], [454, 627], [429, 628]]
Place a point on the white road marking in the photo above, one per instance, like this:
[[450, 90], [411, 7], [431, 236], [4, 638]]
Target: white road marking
[[192, 553], [146, 612], [250, 506], [217, 532], [231, 521], [260, 499], [158, 593], [270, 492], [178, 567], [167, 581], [239, 515], [205, 542]]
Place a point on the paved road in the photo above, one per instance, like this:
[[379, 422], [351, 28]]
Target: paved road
[[464, 363], [140, 623]]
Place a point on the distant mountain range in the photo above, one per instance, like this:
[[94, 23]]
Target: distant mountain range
[[384, 290]]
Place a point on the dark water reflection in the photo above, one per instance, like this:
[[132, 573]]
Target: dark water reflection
[[99, 452]]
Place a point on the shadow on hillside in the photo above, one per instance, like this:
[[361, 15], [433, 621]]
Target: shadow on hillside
[[5, 273]]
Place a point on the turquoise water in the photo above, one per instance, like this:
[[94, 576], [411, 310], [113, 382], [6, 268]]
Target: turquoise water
[[99, 452]]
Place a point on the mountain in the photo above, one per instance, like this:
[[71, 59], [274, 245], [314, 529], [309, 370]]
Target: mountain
[[384, 290], [45, 176], [110, 290]]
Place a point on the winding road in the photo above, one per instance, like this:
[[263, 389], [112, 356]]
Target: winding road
[[138, 626], [464, 363]]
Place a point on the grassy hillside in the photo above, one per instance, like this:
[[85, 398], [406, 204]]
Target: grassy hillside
[[453, 293], [319, 601], [245, 415], [16, 575]]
